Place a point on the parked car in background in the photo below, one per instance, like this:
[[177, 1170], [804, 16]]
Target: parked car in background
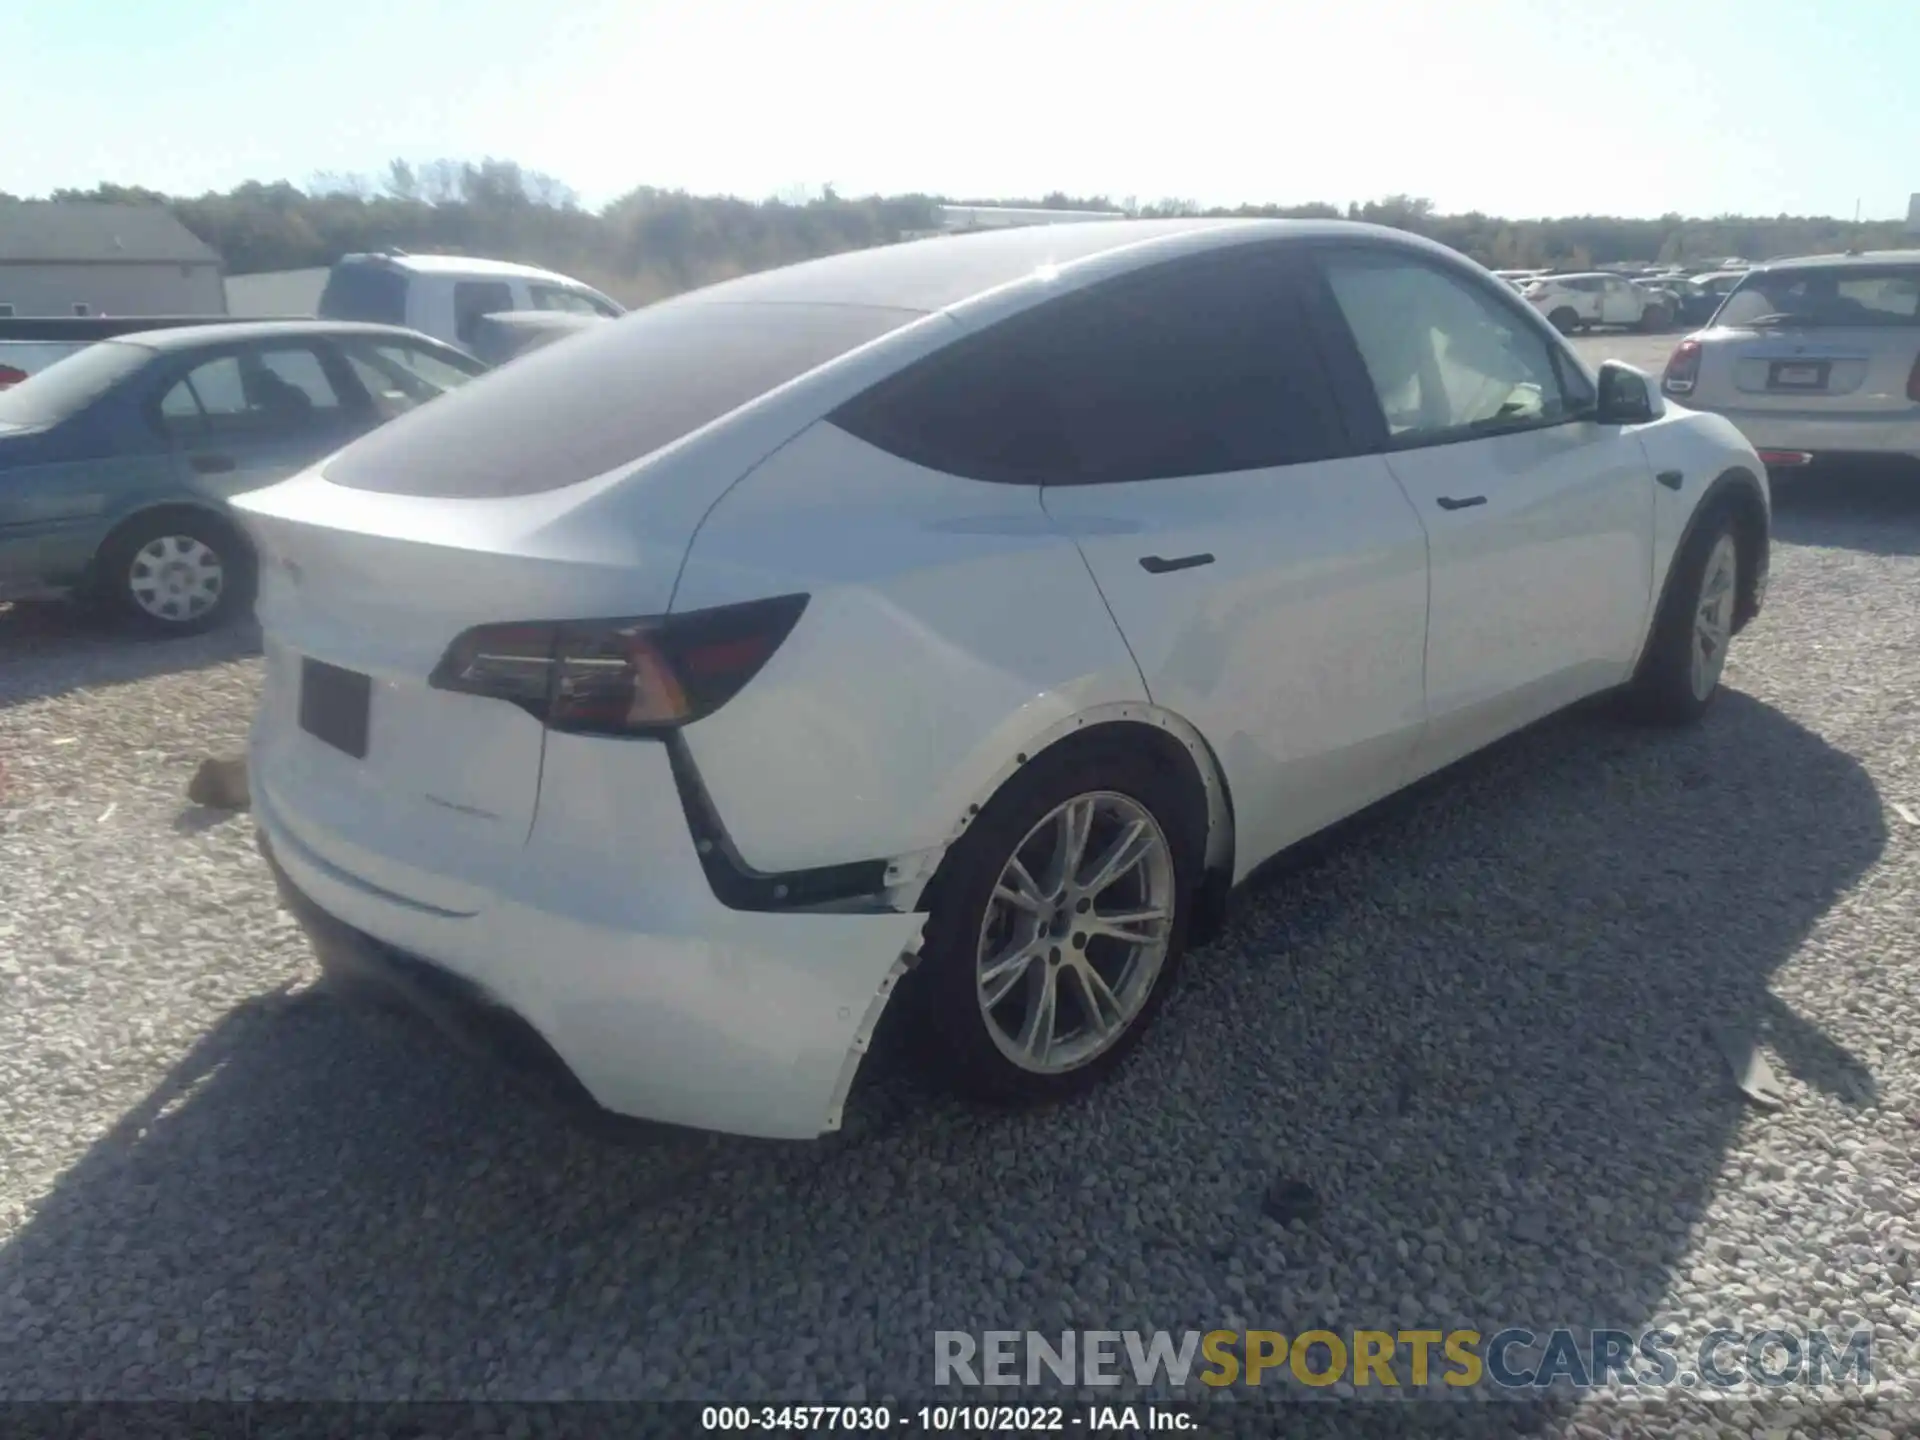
[[1719, 283], [1662, 292], [117, 462], [447, 296], [1813, 359], [954, 621], [1580, 302], [1693, 303], [21, 358]]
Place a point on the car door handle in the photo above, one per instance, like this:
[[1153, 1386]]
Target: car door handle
[[1447, 502], [1672, 479], [1159, 565], [212, 464]]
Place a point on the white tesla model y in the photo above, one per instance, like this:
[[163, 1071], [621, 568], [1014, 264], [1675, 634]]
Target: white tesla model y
[[950, 625]]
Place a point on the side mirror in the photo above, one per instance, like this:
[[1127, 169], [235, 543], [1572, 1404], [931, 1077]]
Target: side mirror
[[1626, 396]]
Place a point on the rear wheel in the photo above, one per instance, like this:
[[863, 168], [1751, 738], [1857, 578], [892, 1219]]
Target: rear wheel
[[175, 572], [1679, 675], [1056, 925], [1655, 317]]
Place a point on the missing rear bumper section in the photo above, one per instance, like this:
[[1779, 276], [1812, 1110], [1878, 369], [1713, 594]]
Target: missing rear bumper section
[[457, 1007], [861, 884], [671, 1011]]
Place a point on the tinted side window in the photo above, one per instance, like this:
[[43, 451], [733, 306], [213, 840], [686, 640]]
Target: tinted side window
[[372, 293], [1447, 358], [1197, 368], [474, 300]]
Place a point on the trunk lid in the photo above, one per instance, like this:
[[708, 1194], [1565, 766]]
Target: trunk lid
[[379, 586], [1854, 371]]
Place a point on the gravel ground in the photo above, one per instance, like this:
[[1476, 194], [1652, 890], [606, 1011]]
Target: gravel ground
[[1474, 1028]]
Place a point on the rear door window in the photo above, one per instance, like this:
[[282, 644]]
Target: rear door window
[[1192, 369], [474, 300], [400, 377], [610, 396], [375, 294]]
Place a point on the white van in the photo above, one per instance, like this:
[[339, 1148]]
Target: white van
[[446, 296]]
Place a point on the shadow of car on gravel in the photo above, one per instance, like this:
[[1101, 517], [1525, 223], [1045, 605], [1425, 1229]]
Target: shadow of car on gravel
[[1474, 1029], [53, 648]]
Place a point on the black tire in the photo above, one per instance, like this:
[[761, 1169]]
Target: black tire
[[1655, 318], [950, 1010], [1565, 319], [178, 528], [1662, 690]]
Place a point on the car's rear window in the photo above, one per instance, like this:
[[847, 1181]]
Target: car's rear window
[[610, 396], [68, 386], [374, 294], [1826, 295]]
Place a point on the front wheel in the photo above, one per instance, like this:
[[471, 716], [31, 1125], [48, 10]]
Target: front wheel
[[1056, 924], [1565, 319], [1679, 675], [175, 572]]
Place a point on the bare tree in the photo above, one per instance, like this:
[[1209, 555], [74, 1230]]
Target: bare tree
[[402, 183], [340, 182]]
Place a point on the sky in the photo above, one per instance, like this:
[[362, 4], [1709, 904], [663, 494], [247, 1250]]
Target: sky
[[1513, 107]]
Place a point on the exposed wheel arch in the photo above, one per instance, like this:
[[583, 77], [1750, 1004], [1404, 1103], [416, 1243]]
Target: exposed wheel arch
[[1177, 747]]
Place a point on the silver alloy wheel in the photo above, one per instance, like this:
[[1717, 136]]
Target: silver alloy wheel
[[176, 578], [1076, 932], [1713, 616]]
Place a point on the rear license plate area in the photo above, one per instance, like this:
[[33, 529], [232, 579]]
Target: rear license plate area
[[335, 705], [1797, 375]]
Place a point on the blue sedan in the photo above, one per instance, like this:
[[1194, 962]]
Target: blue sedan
[[116, 463]]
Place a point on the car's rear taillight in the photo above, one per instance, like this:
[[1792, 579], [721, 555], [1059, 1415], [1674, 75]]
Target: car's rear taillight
[[11, 375], [621, 677], [1683, 368], [1913, 382]]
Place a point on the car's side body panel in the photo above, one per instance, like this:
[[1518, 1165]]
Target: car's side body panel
[[959, 613], [1539, 595], [1296, 649]]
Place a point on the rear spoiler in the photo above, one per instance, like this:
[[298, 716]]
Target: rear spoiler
[[105, 327]]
